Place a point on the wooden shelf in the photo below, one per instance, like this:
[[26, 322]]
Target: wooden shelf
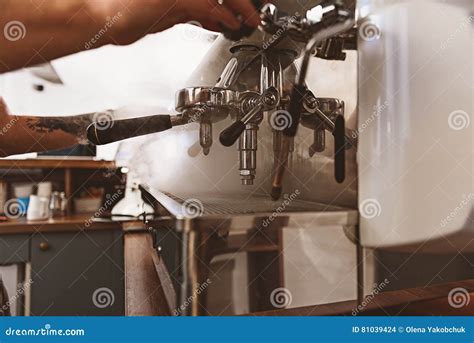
[[69, 167], [56, 163]]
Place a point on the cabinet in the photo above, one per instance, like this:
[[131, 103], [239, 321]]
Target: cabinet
[[73, 273]]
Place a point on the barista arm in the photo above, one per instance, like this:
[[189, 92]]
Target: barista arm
[[56, 28], [22, 134]]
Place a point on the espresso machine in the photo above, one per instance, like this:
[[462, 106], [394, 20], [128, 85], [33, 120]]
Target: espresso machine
[[260, 84], [304, 160]]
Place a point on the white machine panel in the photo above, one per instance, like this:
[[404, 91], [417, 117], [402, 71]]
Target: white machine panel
[[415, 123]]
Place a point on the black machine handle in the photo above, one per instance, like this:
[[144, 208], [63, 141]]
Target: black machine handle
[[230, 135], [340, 149], [244, 31], [296, 106], [116, 130]]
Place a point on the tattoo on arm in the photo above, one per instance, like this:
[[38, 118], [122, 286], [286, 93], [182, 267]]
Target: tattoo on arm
[[74, 125]]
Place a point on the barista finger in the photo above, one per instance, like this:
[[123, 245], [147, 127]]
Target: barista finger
[[224, 15], [248, 11], [211, 25]]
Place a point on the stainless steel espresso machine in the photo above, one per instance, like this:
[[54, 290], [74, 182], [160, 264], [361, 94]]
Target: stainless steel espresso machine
[[297, 151], [254, 85], [260, 84]]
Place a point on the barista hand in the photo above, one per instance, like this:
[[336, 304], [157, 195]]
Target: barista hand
[[211, 14], [62, 27]]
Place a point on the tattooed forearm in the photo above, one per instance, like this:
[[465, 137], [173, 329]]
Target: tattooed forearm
[[74, 125], [22, 134]]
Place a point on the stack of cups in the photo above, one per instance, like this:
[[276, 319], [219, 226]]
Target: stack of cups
[[38, 208]]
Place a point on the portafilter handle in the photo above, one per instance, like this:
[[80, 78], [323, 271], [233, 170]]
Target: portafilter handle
[[101, 133]]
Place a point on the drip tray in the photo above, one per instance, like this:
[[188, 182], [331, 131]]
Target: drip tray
[[250, 205], [244, 211]]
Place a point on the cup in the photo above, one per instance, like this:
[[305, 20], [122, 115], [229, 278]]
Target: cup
[[16, 207], [23, 190], [45, 189], [38, 208]]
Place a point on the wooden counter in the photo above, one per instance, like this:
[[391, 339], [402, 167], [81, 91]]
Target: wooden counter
[[149, 292], [80, 222], [56, 163]]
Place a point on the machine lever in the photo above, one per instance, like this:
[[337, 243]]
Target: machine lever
[[339, 149], [230, 135], [265, 102], [330, 126], [101, 133]]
